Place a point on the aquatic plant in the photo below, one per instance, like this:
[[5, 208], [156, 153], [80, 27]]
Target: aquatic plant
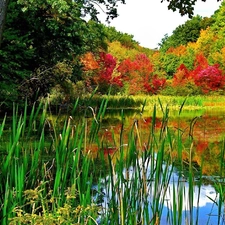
[[49, 174]]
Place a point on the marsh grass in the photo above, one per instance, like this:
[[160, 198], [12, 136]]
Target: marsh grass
[[48, 171], [148, 101], [30, 165]]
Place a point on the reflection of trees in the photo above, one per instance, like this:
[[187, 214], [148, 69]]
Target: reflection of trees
[[209, 157], [206, 139]]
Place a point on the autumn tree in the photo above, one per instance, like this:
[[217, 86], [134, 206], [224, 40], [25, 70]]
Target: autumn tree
[[181, 76], [210, 78], [206, 77], [200, 63], [121, 52], [138, 76], [182, 83], [106, 75], [218, 57]]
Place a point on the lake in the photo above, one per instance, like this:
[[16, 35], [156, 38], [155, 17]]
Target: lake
[[151, 167], [202, 133]]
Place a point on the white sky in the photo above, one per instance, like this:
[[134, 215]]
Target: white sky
[[150, 20]]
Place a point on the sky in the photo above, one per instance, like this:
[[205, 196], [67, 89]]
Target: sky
[[150, 20]]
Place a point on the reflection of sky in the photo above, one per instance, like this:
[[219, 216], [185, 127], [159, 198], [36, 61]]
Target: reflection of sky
[[200, 197], [207, 214], [202, 204], [204, 209]]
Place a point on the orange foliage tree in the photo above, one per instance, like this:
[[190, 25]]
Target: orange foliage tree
[[181, 76], [89, 62], [100, 71], [90, 67]]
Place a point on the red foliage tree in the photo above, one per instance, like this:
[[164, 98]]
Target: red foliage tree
[[210, 79], [200, 63], [138, 75], [107, 65], [154, 84], [126, 68]]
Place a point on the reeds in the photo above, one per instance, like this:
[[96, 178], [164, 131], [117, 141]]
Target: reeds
[[49, 176]]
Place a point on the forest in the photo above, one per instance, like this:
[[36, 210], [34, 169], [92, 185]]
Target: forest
[[54, 52]]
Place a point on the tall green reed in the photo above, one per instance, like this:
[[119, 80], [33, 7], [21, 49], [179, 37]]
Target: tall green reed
[[138, 180], [38, 153], [49, 170]]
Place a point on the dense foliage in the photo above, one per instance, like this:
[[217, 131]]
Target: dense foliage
[[52, 49], [188, 32], [41, 48]]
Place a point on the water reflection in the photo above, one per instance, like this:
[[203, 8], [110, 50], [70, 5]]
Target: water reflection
[[202, 133], [205, 128], [202, 209]]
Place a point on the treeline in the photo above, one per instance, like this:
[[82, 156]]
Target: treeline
[[189, 62], [53, 51]]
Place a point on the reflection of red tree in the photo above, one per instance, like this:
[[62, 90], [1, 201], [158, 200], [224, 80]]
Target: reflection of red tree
[[109, 150], [148, 122], [201, 146]]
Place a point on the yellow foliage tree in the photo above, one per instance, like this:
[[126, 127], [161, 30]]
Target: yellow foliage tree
[[121, 52], [178, 51], [206, 41]]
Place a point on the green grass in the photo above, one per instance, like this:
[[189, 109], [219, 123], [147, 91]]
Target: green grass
[[48, 173], [138, 101]]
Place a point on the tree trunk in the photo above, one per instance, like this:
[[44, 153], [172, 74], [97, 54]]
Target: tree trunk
[[3, 11]]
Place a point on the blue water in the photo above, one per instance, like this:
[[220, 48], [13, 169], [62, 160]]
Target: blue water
[[203, 210]]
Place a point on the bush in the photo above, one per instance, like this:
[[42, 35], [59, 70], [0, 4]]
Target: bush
[[189, 88]]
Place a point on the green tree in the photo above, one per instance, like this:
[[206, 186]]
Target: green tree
[[36, 40], [127, 40], [185, 33], [15, 56], [90, 8], [3, 10], [218, 29]]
